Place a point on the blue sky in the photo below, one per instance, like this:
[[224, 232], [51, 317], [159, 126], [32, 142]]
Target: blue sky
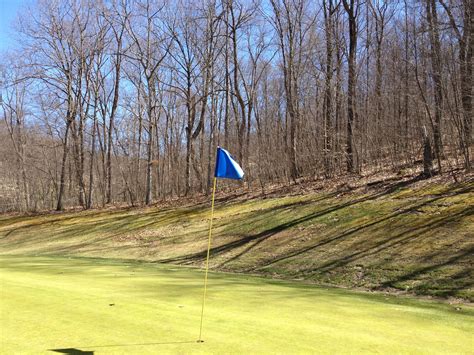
[[8, 11]]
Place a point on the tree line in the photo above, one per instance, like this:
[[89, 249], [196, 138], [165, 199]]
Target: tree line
[[125, 101]]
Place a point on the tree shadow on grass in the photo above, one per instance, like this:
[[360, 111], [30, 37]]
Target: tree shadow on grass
[[360, 247], [259, 237], [246, 244], [395, 240], [52, 219], [256, 239], [106, 229], [444, 286]]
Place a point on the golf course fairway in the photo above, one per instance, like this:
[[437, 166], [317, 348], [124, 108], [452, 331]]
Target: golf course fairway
[[82, 305]]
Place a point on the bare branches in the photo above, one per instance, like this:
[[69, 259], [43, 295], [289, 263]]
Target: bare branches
[[126, 101]]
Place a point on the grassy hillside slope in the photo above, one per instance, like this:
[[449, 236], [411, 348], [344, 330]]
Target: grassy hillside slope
[[404, 235]]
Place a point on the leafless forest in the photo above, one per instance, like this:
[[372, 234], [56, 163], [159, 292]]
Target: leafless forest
[[125, 101]]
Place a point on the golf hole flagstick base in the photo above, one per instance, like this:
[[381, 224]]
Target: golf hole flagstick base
[[226, 168]]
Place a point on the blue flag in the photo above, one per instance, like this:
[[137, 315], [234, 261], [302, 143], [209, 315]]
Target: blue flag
[[226, 167]]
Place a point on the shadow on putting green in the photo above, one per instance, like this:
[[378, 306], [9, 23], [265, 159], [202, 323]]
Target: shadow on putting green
[[75, 351], [72, 351]]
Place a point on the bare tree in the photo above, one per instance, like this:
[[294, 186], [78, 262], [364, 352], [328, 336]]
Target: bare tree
[[465, 36], [288, 21], [14, 90], [352, 10], [150, 48], [126, 101], [432, 19], [329, 9]]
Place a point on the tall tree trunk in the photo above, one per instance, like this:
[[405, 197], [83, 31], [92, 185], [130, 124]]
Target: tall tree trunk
[[406, 87], [352, 15], [466, 53], [427, 155], [227, 78], [62, 182], [149, 165], [328, 132], [92, 158], [432, 17], [118, 62], [338, 96]]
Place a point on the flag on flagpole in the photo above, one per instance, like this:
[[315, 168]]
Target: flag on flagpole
[[226, 166]]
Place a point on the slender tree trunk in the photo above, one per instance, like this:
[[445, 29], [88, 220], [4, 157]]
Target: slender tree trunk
[[466, 54], [149, 165], [59, 205], [351, 12], [92, 158], [338, 99], [427, 155], [227, 78], [406, 87], [113, 111], [432, 18], [328, 132]]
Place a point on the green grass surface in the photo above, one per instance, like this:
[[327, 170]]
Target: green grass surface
[[109, 306], [402, 235]]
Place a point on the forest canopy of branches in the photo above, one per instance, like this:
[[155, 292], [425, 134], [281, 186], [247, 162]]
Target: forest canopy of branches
[[125, 101]]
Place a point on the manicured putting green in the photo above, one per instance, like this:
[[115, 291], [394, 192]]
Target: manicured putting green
[[104, 306]]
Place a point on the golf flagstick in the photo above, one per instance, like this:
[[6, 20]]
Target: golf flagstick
[[226, 168], [207, 259]]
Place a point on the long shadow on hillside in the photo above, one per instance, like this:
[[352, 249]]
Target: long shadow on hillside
[[110, 218], [428, 279], [108, 228], [264, 235], [384, 244], [123, 225], [397, 239], [165, 220], [445, 286], [52, 219]]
